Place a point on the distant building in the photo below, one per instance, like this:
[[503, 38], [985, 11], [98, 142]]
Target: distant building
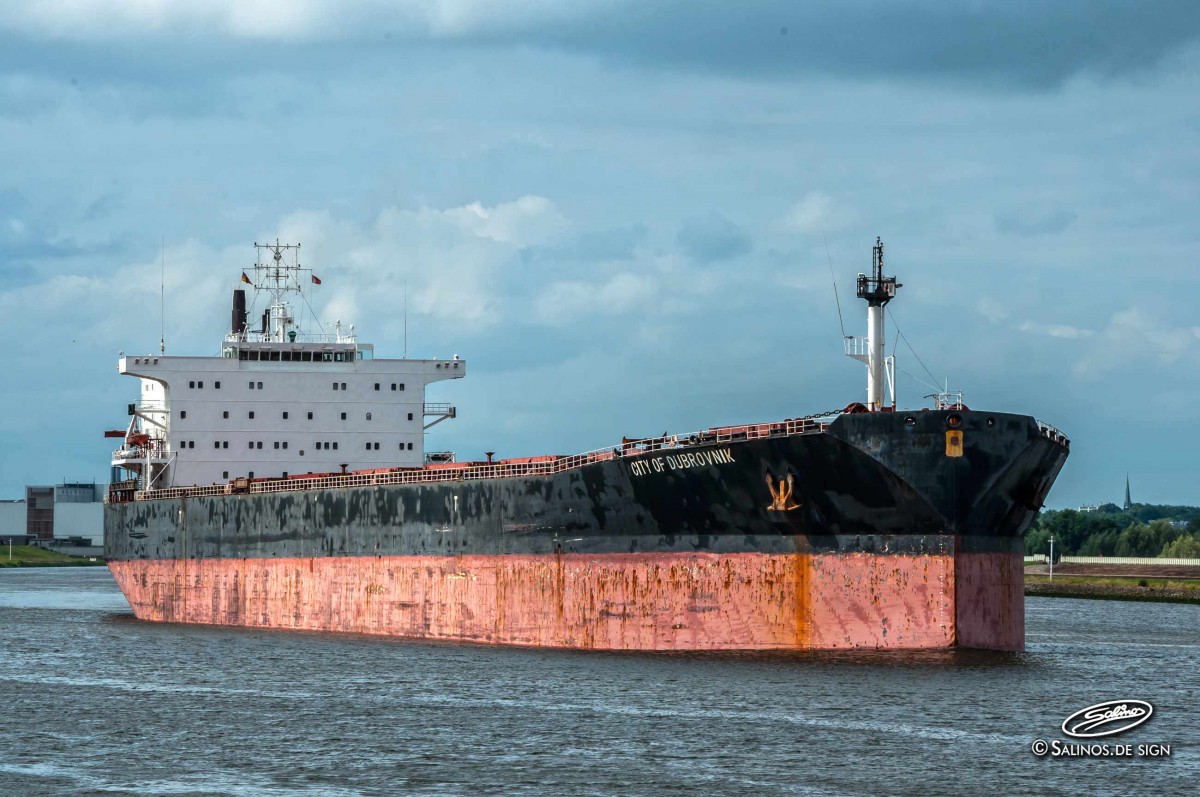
[[12, 521], [39, 512], [69, 510], [1089, 507]]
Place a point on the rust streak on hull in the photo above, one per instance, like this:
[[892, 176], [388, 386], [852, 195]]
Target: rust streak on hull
[[656, 601]]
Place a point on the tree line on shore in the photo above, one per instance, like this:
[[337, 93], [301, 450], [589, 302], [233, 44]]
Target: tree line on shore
[[1144, 530]]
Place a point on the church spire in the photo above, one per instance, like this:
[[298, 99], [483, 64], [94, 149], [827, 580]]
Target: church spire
[[1128, 503]]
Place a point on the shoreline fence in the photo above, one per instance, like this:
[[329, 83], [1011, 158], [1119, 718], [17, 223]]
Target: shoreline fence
[[1111, 560]]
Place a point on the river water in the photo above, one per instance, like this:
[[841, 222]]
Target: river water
[[94, 702]]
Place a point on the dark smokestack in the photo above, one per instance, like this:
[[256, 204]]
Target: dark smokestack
[[264, 328], [239, 312]]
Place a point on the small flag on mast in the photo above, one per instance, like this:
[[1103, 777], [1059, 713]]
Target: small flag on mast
[[246, 279], [316, 280]]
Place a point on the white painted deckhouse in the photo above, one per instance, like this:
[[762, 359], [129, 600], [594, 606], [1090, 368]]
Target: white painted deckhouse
[[278, 400]]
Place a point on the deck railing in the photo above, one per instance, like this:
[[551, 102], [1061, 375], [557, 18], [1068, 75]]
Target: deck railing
[[531, 466], [1054, 434]]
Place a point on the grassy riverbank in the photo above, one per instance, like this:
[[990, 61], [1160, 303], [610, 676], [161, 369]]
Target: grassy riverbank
[[32, 556], [1128, 588]]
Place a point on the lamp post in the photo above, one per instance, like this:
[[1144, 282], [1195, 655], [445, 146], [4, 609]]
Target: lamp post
[[1051, 557]]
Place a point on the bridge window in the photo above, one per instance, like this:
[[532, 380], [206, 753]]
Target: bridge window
[[225, 444], [285, 416], [260, 444], [217, 385], [310, 416], [376, 385], [285, 444], [250, 444], [200, 385], [251, 385], [276, 444], [368, 446], [225, 414], [377, 446], [224, 474], [251, 414], [260, 385], [410, 416], [191, 443], [368, 416], [191, 384], [335, 445], [182, 414], [343, 416], [216, 443], [335, 385], [343, 385]]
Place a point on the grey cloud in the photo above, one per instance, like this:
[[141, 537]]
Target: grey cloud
[[1020, 43], [1026, 43], [711, 238]]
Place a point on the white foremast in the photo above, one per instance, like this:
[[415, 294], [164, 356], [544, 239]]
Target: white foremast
[[877, 290]]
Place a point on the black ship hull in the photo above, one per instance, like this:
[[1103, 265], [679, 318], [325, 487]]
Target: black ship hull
[[879, 529]]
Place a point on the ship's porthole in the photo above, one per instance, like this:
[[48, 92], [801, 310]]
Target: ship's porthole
[[954, 421], [910, 421], [991, 421]]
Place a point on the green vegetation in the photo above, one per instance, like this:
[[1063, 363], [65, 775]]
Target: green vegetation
[[1191, 584], [1163, 590], [32, 556], [1144, 530], [1183, 547]]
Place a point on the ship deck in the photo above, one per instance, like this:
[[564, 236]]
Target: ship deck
[[545, 465]]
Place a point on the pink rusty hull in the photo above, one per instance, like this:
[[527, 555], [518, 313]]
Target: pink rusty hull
[[661, 601]]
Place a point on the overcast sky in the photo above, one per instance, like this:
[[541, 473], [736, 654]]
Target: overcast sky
[[622, 214]]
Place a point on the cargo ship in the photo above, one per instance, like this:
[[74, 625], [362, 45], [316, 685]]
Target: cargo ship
[[285, 484]]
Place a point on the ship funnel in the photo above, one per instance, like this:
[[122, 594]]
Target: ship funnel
[[239, 312]]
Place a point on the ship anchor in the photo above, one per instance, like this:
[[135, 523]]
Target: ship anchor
[[781, 498]]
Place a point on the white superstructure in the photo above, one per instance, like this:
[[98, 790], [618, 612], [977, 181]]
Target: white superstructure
[[277, 401]]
